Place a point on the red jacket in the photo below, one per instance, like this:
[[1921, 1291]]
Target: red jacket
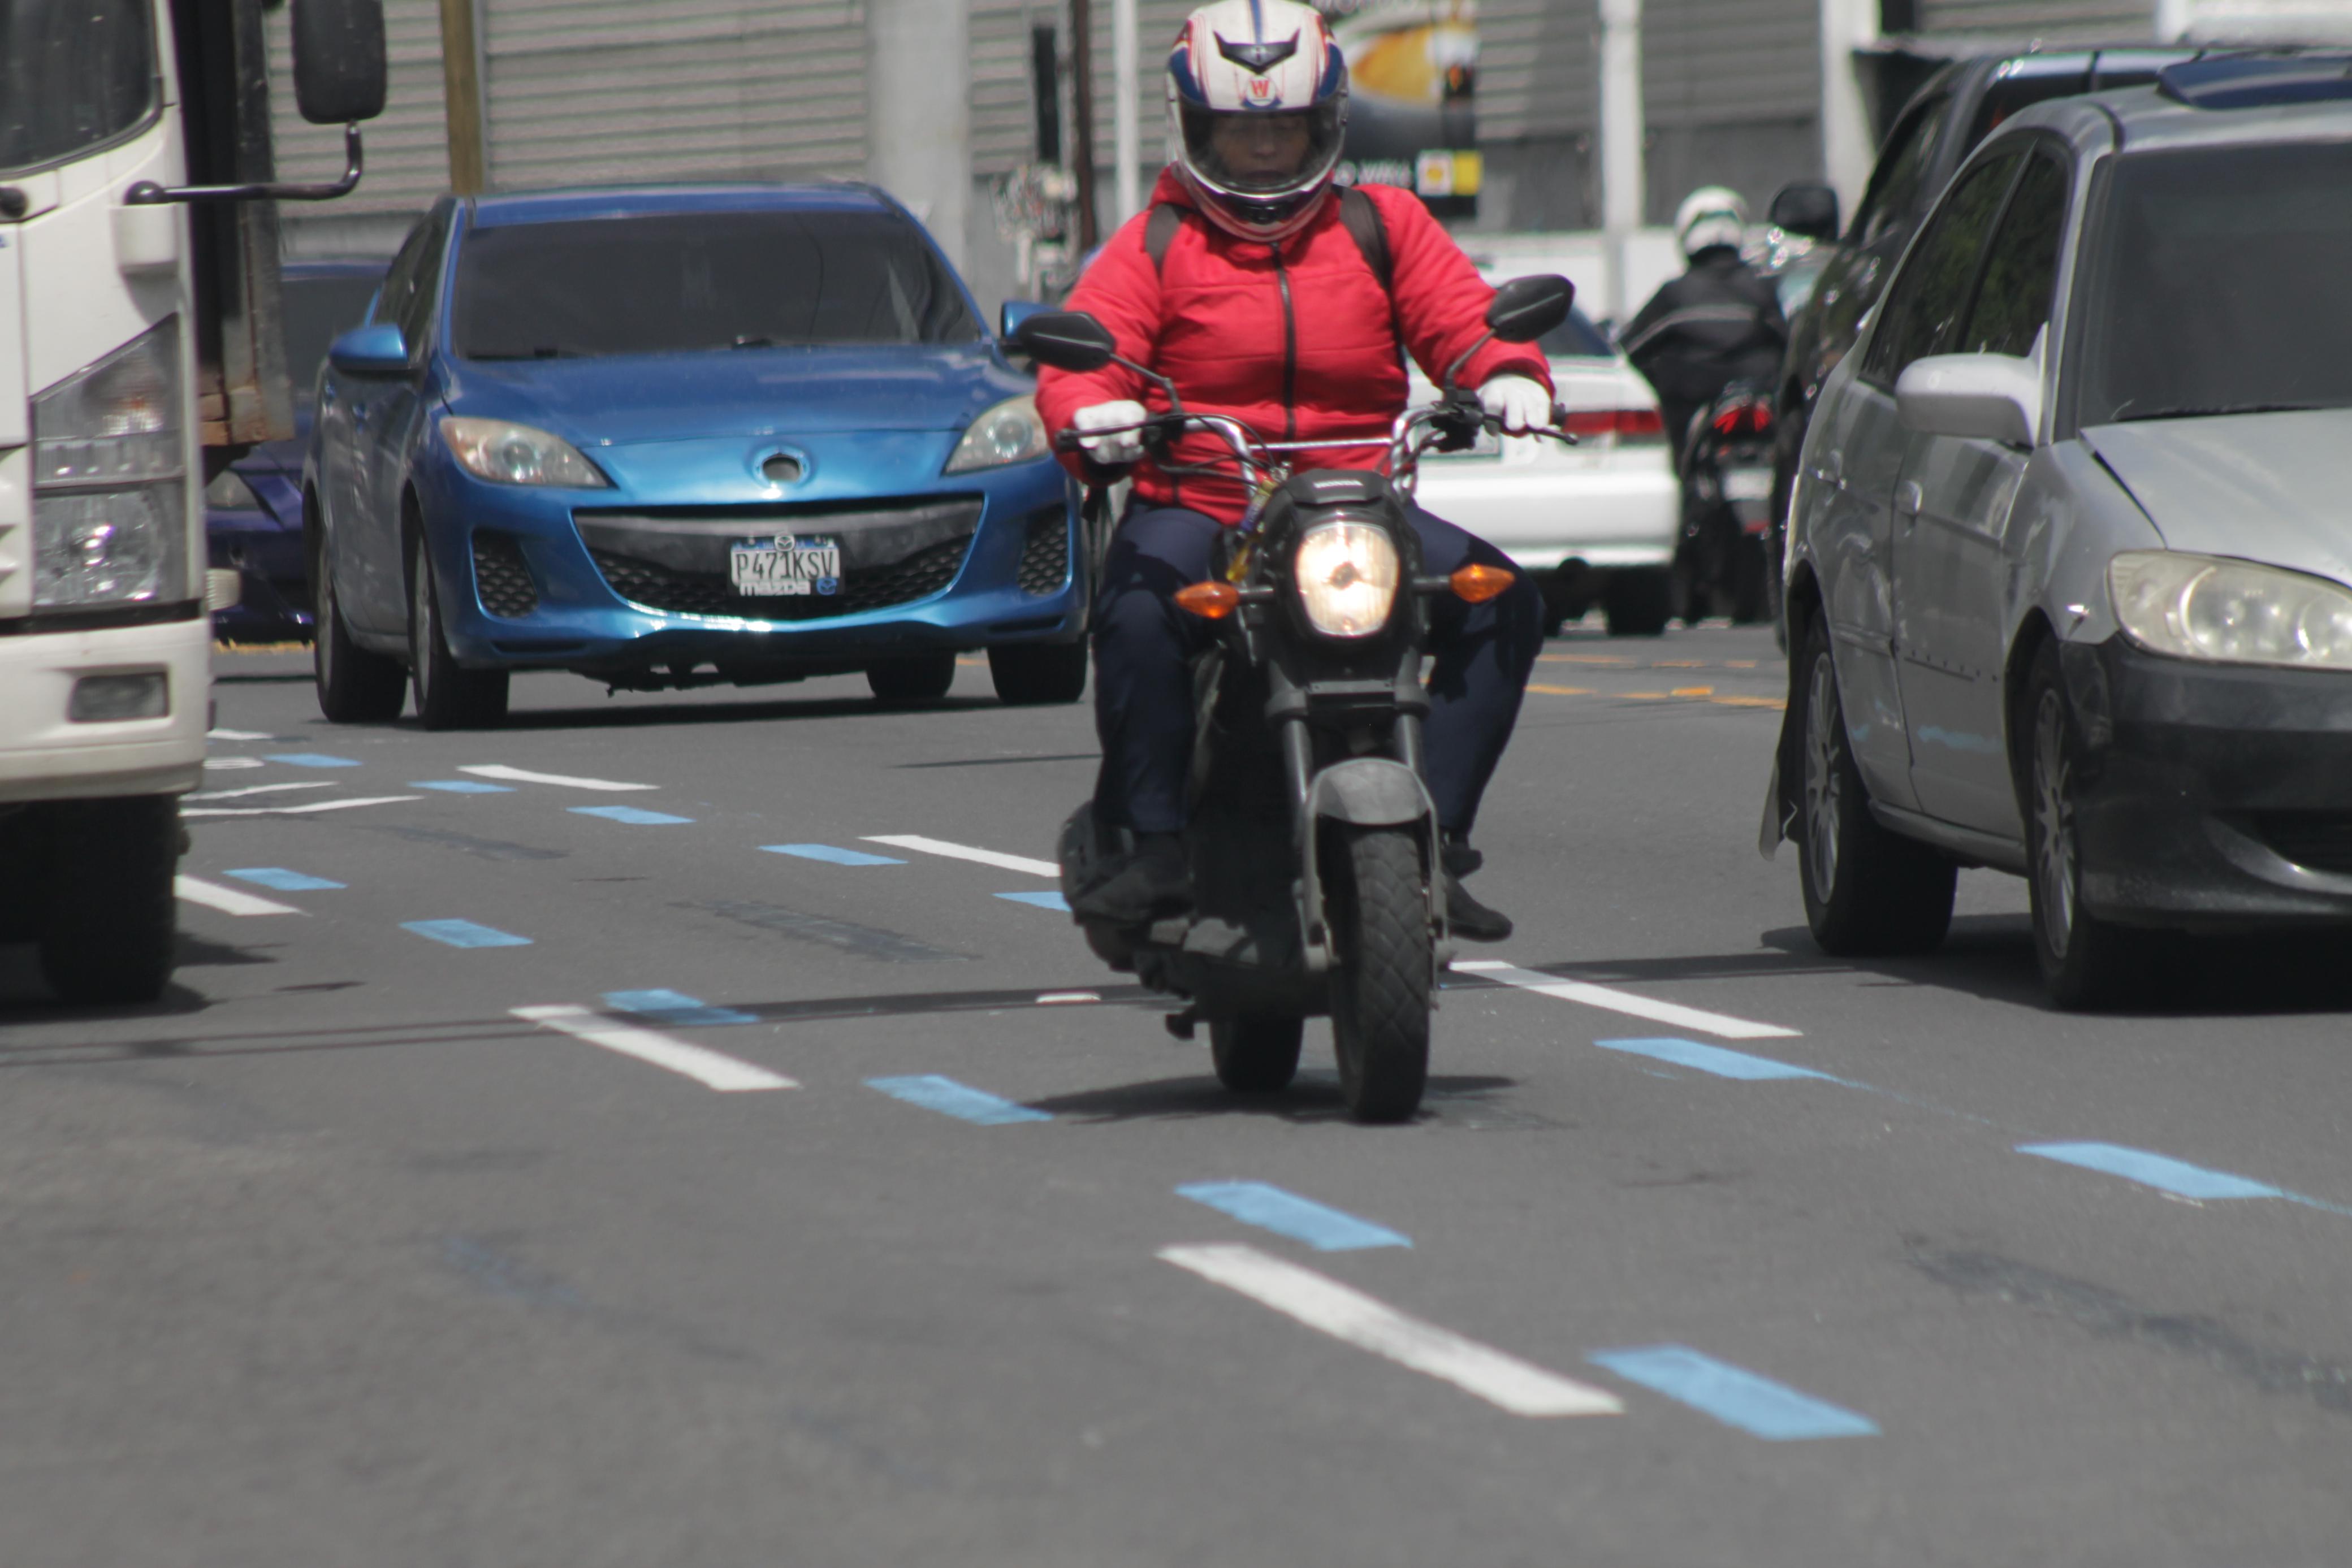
[[1296, 340]]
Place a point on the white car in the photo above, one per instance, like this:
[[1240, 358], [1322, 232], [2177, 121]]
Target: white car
[[1594, 522]]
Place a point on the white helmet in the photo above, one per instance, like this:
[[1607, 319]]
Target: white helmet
[[1272, 61], [1709, 217]]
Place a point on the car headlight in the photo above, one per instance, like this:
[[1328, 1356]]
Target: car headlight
[[1346, 576], [509, 453], [110, 519], [2230, 612], [1012, 432]]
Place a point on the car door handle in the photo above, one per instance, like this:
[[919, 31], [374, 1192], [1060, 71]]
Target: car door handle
[[1908, 498]]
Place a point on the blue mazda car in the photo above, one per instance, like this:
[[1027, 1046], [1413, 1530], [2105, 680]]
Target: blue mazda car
[[670, 437]]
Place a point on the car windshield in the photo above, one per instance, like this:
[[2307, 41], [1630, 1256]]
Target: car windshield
[[319, 308], [73, 74], [669, 283], [1576, 338], [2217, 277]]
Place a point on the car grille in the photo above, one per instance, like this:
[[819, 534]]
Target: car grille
[[501, 580], [2319, 840], [1045, 555], [658, 586]]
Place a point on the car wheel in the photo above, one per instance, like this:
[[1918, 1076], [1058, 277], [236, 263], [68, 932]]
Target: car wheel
[[1867, 891], [2086, 962], [448, 696], [925, 678], [1035, 674], [354, 686], [1639, 601]]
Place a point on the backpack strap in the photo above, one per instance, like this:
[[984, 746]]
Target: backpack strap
[[1358, 214], [1160, 232]]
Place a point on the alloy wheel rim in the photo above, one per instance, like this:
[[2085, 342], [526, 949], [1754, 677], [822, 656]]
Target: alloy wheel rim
[[1824, 803], [2053, 820]]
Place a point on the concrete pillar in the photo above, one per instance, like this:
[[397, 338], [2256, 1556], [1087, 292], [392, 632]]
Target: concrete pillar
[[1127, 141], [919, 112], [1848, 147], [2172, 20], [1625, 176]]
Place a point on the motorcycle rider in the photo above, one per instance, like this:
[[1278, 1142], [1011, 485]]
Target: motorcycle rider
[[1718, 323], [1247, 285]]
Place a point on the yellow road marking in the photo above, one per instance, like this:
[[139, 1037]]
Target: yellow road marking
[[1563, 691], [1694, 691]]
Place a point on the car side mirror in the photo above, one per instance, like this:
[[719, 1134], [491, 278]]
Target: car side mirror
[[338, 60], [1010, 315], [1066, 339], [375, 351], [1806, 209], [1972, 397], [1525, 309]]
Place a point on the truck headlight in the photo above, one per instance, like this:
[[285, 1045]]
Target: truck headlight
[[1012, 432], [110, 522], [1346, 576], [509, 453], [2230, 612]]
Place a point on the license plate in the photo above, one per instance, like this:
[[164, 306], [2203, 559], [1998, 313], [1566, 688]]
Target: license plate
[[788, 563], [1748, 484]]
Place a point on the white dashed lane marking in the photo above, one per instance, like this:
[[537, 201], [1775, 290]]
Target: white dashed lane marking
[[708, 1068], [228, 900], [1607, 998], [561, 780], [940, 847]]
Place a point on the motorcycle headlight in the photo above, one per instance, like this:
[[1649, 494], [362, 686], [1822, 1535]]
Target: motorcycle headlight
[[509, 453], [2230, 612], [1012, 432], [1346, 576], [109, 518]]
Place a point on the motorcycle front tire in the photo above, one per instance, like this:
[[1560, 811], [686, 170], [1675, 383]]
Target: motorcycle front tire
[[1377, 904], [1257, 1054]]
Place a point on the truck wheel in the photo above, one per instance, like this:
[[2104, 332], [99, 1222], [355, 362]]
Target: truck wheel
[[1867, 891], [924, 678], [1257, 1055], [107, 935], [448, 696], [1377, 900], [355, 686], [1033, 675], [2086, 962], [1639, 601]]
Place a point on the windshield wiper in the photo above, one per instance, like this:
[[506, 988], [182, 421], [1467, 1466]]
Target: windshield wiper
[[2203, 411]]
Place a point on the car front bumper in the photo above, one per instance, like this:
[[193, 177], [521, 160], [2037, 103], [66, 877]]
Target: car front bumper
[[2214, 796], [523, 589]]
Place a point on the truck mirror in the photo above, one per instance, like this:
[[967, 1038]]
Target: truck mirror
[[338, 60], [1807, 210]]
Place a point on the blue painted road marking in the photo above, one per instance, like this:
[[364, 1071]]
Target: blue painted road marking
[[832, 856], [1288, 1214], [945, 1095], [1041, 900], [674, 1008], [284, 881], [312, 759], [1713, 1059], [630, 814], [1733, 1394], [464, 934], [2153, 1170], [462, 787]]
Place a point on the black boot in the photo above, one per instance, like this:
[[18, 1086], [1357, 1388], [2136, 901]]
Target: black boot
[[1150, 884], [1471, 920]]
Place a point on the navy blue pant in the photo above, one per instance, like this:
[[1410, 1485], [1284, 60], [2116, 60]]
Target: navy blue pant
[[1480, 654]]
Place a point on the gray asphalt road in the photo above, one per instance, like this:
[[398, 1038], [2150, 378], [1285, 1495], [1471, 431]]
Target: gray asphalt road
[[1708, 1251]]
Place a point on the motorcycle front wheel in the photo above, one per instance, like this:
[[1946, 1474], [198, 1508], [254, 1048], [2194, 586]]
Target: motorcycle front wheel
[[1378, 906]]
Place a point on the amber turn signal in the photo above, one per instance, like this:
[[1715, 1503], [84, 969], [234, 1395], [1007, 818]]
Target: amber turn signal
[[1210, 601], [1473, 583]]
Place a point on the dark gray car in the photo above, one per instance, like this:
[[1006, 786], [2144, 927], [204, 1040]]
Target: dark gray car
[[2070, 542]]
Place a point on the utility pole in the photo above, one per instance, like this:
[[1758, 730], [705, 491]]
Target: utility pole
[[1082, 120], [1126, 139], [919, 113], [461, 79], [1623, 174]]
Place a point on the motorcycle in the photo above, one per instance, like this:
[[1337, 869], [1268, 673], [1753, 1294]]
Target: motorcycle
[[1723, 564], [1312, 839]]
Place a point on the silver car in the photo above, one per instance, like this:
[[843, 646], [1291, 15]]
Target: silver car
[[2072, 533]]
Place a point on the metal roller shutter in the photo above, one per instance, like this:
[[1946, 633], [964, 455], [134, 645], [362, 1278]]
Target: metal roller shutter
[[1537, 73], [1003, 123], [1727, 62], [2056, 20]]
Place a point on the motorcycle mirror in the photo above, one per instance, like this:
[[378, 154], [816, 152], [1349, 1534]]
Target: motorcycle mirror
[[1525, 309], [1806, 209], [1066, 339]]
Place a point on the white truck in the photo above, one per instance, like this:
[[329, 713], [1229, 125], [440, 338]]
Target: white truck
[[139, 356]]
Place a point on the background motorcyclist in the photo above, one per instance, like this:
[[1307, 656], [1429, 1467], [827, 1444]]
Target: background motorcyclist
[[1246, 285], [1718, 323]]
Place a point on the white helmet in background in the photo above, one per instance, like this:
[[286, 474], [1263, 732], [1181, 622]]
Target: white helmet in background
[[1268, 67], [1709, 217]]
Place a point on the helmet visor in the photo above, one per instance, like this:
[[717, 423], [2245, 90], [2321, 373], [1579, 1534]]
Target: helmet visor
[[1262, 153]]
